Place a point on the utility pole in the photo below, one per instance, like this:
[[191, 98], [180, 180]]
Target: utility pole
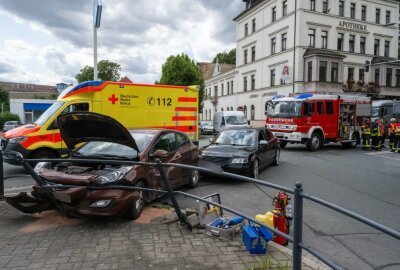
[[97, 7], [294, 43]]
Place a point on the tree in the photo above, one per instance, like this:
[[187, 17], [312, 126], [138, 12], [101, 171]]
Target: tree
[[107, 71], [181, 70], [226, 57], [4, 100]]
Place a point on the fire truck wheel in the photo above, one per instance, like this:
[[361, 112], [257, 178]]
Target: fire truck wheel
[[277, 157], [354, 137], [283, 144], [315, 142], [254, 169]]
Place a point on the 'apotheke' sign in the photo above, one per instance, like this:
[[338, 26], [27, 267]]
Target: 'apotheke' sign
[[351, 25]]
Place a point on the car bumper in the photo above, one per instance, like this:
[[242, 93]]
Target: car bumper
[[285, 136]]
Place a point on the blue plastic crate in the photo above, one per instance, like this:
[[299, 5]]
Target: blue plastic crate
[[256, 238]]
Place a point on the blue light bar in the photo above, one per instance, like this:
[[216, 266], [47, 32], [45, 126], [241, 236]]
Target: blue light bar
[[304, 96], [278, 96]]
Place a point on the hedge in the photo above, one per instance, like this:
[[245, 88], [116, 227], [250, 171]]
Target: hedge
[[8, 117]]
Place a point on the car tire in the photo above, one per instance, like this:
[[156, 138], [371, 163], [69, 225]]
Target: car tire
[[315, 142], [194, 178], [283, 144], [277, 157], [136, 208], [255, 169], [43, 154]]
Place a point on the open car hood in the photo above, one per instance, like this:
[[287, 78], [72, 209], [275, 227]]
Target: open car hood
[[79, 127]]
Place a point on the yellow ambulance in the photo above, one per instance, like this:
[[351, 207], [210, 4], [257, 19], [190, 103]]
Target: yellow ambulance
[[133, 105]]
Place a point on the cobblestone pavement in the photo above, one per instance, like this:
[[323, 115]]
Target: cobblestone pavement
[[52, 241]]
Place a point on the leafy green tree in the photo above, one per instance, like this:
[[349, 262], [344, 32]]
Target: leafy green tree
[[226, 57], [4, 100], [107, 71], [181, 70]]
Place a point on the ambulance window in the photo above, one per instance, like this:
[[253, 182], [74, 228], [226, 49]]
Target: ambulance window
[[329, 107], [77, 107], [308, 108], [320, 107]]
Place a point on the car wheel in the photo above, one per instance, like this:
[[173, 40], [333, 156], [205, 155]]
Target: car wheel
[[135, 209], [315, 143], [194, 178], [255, 169], [277, 157], [42, 155], [283, 144]]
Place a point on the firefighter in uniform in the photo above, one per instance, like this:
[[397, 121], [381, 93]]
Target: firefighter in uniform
[[397, 138], [392, 127], [382, 133], [366, 135], [375, 136]]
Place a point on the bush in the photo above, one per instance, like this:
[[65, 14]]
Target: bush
[[8, 117]]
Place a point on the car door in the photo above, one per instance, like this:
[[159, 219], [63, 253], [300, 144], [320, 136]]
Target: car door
[[189, 155], [167, 142], [272, 145], [262, 149]]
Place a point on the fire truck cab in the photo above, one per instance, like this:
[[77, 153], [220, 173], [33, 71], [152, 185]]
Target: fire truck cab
[[315, 119]]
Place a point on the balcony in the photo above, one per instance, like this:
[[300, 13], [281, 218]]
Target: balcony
[[324, 87], [370, 88], [214, 99]]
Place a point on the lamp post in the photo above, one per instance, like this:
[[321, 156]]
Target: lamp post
[[96, 24]]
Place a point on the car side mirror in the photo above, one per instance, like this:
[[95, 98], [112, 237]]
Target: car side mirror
[[158, 154], [263, 142]]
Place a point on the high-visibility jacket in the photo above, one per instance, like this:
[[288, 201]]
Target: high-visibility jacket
[[365, 129], [375, 131], [392, 128], [381, 129], [397, 129]]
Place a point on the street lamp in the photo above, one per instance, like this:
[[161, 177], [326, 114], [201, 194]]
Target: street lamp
[[96, 24]]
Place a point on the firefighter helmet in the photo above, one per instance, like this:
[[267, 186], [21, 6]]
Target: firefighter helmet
[[393, 120]]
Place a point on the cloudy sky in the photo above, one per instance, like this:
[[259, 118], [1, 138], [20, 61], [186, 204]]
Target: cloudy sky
[[49, 41]]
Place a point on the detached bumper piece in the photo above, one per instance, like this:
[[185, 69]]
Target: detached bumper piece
[[28, 204]]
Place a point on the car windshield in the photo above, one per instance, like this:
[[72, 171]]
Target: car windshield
[[49, 113], [10, 123], [235, 120], [284, 109], [99, 149], [142, 139], [244, 137], [375, 112]]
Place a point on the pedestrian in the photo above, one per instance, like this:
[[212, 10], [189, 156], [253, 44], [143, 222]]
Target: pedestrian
[[375, 136], [397, 137], [366, 135], [381, 124], [392, 127]]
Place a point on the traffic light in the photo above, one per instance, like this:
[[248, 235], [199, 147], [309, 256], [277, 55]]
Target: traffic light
[[367, 66]]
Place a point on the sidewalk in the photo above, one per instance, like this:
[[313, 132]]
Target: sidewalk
[[52, 241]]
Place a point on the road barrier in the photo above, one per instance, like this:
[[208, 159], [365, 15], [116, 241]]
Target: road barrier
[[298, 193]]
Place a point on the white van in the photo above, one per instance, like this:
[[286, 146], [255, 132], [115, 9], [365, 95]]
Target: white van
[[225, 119]]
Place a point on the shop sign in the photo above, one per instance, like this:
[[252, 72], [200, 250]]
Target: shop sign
[[354, 26]]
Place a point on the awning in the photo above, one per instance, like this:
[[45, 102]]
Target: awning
[[36, 106]]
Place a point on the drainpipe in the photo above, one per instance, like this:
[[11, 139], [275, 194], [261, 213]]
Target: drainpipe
[[294, 42]]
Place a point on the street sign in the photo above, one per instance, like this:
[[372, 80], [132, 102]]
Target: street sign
[[97, 13]]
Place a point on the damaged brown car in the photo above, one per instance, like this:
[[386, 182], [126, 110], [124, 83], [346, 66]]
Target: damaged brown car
[[79, 187]]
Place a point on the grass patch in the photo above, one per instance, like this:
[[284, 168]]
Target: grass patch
[[269, 262]]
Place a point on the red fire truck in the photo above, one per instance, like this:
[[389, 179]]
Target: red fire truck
[[315, 119]]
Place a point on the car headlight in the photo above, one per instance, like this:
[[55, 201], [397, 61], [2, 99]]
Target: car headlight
[[18, 139], [112, 177], [239, 160], [40, 166]]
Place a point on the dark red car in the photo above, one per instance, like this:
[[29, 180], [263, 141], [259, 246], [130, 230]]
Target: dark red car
[[95, 136]]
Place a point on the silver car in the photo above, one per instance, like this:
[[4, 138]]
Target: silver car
[[11, 124]]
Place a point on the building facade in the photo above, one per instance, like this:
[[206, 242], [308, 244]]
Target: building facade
[[285, 47]]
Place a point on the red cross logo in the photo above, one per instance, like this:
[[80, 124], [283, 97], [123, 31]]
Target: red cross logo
[[113, 99]]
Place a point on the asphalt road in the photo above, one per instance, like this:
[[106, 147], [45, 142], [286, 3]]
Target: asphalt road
[[367, 183]]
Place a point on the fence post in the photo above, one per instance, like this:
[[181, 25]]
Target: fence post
[[1, 176], [297, 226], [182, 220]]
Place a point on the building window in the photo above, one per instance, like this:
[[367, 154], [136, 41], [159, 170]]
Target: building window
[[361, 74], [311, 37], [253, 25], [252, 112], [350, 75], [362, 44], [377, 76], [215, 91], [246, 29], [340, 42], [387, 16], [273, 14], [387, 46], [325, 6], [253, 82], [273, 45], [245, 83], [376, 47], [227, 88], [253, 53], [245, 56], [312, 5], [341, 8], [284, 39], [388, 77], [272, 77], [353, 10], [222, 89], [334, 72], [363, 13], [324, 36], [309, 71], [322, 71], [397, 77], [352, 39], [378, 15], [284, 8], [232, 87]]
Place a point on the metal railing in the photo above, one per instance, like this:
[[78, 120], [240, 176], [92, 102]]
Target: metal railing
[[298, 193]]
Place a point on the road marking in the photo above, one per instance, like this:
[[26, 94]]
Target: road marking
[[382, 153]]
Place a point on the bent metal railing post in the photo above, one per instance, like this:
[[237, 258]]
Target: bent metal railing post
[[1, 176], [297, 226]]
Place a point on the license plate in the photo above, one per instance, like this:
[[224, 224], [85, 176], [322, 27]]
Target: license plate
[[279, 134]]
